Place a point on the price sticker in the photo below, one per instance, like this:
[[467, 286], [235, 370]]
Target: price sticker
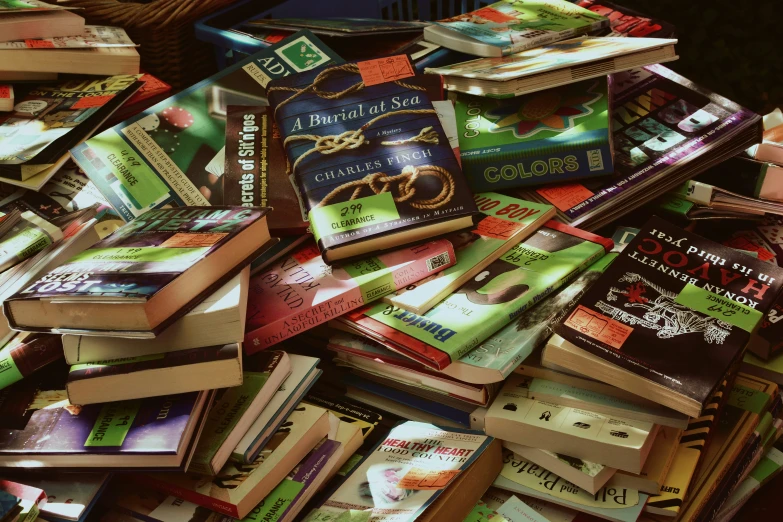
[[354, 214], [719, 307], [388, 69]]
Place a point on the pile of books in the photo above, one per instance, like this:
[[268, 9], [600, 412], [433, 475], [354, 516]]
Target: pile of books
[[470, 279]]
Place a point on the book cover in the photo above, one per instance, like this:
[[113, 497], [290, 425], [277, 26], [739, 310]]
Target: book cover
[[238, 488], [389, 168], [505, 289], [233, 404], [504, 222], [767, 341], [151, 92], [404, 473], [300, 291], [625, 21], [31, 500], [255, 166], [556, 135], [765, 470], [366, 419], [142, 257], [662, 124], [670, 299], [50, 119], [8, 503], [159, 157], [70, 496], [22, 355], [514, 26]]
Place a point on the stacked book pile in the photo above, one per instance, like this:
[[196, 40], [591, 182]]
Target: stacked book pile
[[472, 279]]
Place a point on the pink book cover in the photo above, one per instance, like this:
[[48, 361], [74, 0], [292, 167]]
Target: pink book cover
[[300, 291]]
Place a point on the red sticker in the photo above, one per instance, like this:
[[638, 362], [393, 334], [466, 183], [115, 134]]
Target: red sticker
[[598, 326], [92, 101], [493, 15], [382, 70], [742, 243], [497, 228], [5, 91], [565, 197], [39, 44], [305, 254]]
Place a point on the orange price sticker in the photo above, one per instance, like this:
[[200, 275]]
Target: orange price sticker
[[493, 15], [39, 44], [92, 101], [598, 326], [382, 70], [497, 228], [565, 197], [424, 479], [303, 255]]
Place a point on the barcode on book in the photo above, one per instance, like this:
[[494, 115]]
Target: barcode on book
[[438, 261], [594, 160]]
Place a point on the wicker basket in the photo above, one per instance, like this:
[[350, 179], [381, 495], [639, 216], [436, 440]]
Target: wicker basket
[[164, 29]]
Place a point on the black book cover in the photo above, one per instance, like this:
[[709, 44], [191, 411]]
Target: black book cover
[[674, 308]]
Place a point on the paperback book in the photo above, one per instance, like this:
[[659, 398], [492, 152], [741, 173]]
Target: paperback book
[[24, 354], [299, 291], [507, 27], [398, 183], [70, 496], [159, 157], [505, 289], [667, 301], [625, 21], [557, 135], [747, 177], [506, 221]]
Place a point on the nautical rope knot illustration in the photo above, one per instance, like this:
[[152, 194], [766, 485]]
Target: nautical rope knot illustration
[[353, 139]]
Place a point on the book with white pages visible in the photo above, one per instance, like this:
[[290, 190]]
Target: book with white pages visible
[[218, 320], [32, 25], [721, 199]]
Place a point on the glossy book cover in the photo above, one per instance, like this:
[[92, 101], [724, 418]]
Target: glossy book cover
[[371, 161], [550, 136], [674, 308]]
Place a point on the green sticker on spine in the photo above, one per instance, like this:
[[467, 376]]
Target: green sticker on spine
[[113, 422], [748, 399], [719, 307], [278, 500], [350, 215], [373, 277], [9, 373]]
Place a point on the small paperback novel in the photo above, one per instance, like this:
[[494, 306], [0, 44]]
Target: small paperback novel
[[510, 26], [505, 289], [48, 120], [717, 198], [666, 130], [553, 65], [299, 291], [403, 478], [255, 169], [504, 223], [397, 183], [346, 411], [525, 478], [667, 302], [90, 37], [616, 442], [747, 177], [146, 433], [239, 488], [159, 157], [762, 473], [624, 21], [144, 276], [236, 408], [25, 354], [561, 134], [6, 98], [656, 468], [21, 19], [71, 496], [771, 147]]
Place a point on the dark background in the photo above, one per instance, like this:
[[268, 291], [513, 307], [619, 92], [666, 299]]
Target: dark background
[[730, 47]]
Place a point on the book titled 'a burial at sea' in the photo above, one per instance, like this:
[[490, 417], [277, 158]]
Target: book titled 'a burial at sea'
[[372, 163]]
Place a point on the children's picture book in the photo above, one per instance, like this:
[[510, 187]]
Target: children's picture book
[[557, 135], [159, 157], [510, 26], [504, 223]]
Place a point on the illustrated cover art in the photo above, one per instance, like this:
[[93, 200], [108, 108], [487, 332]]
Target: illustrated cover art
[[501, 292], [674, 308], [516, 25], [627, 22], [549, 136], [660, 123], [160, 156], [388, 166]]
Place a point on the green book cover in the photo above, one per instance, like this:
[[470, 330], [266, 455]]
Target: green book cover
[[548, 136], [505, 289]]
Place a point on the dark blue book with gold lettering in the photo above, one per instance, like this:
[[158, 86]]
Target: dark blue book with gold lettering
[[372, 163]]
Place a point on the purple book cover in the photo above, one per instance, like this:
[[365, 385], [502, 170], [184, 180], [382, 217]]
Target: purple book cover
[[153, 426], [305, 473]]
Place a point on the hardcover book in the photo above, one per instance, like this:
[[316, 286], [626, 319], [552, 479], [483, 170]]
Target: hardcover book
[[144, 276], [561, 134], [236, 408], [168, 146], [670, 299], [148, 433], [50, 119], [666, 130], [505, 289], [506, 221], [403, 476], [397, 183], [510, 26], [299, 291]]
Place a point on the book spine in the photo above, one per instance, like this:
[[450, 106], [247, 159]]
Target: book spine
[[188, 495], [503, 170], [19, 361]]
